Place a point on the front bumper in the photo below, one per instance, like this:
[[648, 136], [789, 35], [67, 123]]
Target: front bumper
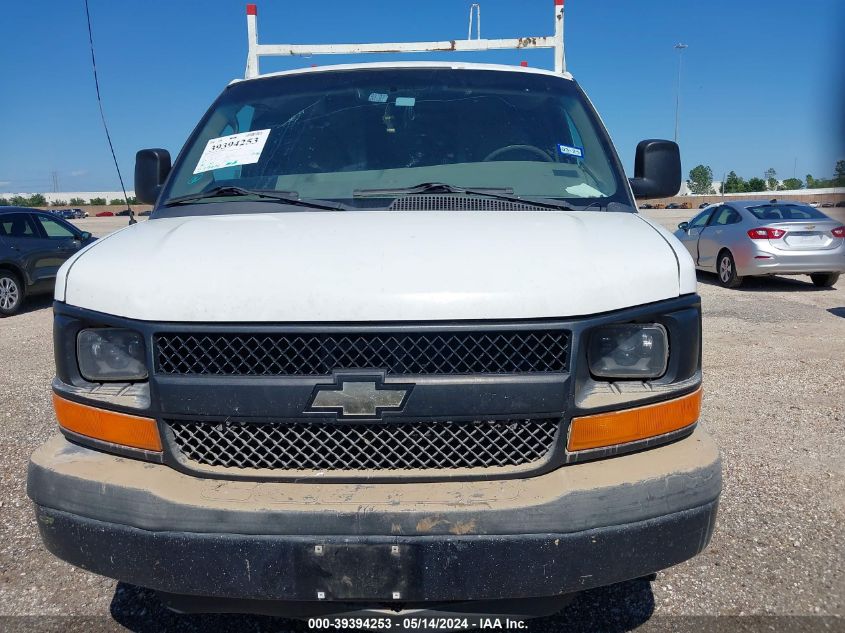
[[577, 527]]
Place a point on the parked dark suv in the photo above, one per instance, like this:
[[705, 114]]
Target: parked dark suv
[[33, 245]]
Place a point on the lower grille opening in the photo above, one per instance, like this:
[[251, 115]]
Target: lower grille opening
[[339, 446]]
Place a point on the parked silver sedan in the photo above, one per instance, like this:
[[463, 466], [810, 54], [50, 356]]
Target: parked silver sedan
[[752, 237]]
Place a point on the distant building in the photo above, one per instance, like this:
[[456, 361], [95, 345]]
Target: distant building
[[685, 190]]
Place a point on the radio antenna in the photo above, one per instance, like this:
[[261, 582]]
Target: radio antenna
[[132, 219]]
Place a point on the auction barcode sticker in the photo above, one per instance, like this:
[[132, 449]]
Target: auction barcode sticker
[[236, 149]]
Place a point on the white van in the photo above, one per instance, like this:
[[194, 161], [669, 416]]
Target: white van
[[396, 341]]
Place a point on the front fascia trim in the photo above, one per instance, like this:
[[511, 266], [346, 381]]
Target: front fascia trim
[[681, 317]]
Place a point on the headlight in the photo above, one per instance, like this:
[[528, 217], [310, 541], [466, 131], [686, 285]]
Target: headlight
[[629, 351], [111, 354]]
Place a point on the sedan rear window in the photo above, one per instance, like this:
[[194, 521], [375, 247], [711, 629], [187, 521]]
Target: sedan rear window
[[786, 212]]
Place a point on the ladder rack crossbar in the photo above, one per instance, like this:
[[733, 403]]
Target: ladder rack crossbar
[[256, 50]]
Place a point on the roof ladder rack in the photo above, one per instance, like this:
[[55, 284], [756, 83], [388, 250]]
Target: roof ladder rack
[[257, 51]]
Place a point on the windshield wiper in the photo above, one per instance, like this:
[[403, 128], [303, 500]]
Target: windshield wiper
[[499, 193], [429, 187], [288, 197]]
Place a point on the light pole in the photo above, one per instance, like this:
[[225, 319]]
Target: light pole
[[680, 48]]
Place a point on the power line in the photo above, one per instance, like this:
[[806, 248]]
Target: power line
[[103, 116]]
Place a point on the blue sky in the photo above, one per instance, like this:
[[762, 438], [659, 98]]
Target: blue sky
[[761, 88]]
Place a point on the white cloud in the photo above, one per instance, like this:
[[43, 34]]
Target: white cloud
[[79, 172]]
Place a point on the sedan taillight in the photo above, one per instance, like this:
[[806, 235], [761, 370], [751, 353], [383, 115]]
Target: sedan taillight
[[766, 234], [839, 231]]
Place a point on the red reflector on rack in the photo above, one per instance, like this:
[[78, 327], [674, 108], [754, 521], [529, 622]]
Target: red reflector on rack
[[252, 9]]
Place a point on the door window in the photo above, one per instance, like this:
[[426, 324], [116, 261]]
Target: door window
[[725, 216], [17, 225], [700, 220], [55, 230]]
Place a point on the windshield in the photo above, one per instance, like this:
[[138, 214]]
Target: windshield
[[336, 135]]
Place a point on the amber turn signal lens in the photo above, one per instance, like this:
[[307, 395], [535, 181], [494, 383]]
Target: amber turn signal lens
[[630, 425], [108, 426]]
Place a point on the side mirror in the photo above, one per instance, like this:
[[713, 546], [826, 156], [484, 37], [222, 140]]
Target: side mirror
[[657, 169], [84, 236], [684, 226], [151, 169]]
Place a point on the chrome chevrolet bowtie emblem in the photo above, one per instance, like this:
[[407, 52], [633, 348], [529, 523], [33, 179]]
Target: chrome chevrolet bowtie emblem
[[359, 397]]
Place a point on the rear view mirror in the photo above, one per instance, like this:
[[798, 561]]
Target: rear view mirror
[[684, 226], [657, 169], [152, 167]]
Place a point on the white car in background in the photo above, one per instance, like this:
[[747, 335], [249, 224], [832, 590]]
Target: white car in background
[[753, 238]]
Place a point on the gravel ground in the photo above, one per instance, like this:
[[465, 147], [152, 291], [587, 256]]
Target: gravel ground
[[774, 363]]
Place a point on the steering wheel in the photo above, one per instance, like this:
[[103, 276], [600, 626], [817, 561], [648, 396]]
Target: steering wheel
[[518, 148]]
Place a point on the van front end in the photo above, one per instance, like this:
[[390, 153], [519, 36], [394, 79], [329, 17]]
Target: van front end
[[487, 464]]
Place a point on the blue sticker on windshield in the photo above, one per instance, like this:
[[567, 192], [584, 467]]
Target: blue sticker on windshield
[[569, 150]]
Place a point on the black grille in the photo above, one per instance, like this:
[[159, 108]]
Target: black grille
[[485, 352], [439, 202], [388, 446]]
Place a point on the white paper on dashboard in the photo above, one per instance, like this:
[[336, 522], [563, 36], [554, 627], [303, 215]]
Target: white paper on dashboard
[[236, 149]]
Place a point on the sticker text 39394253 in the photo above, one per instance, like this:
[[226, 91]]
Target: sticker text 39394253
[[236, 149]]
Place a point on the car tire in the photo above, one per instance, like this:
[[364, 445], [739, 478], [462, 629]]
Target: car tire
[[726, 271], [824, 280], [11, 293]]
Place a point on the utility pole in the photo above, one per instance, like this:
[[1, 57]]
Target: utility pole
[[55, 178], [680, 48]]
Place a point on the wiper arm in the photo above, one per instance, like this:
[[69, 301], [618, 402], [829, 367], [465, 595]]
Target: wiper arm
[[429, 187], [288, 197], [500, 193]]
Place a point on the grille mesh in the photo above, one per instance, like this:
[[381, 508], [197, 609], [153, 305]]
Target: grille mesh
[[418, 353], [439, 202], [390, 446]]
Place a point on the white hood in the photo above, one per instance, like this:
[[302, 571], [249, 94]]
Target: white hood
[[377, 266]]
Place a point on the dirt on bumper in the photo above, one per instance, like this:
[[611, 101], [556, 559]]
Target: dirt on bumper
[[577, 527]]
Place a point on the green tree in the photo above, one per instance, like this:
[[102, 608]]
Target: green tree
[[818, 183], [771, 179], [18, 201], [839, 174], [132, 200], [77, 202], [36, 200], [59, 203], [97, 201], [755, 185], [700, 179], [4, 202], [116, 201], [792, 183], [733, 183]]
